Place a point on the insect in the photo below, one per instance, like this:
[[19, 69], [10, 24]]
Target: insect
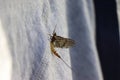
[[59, 42]]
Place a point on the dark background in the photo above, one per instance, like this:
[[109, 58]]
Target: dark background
[[107, 36]]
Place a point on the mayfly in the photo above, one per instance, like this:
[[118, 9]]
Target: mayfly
[[59, 42]]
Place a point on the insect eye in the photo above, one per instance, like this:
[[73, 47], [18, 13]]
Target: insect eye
[[54, 34]]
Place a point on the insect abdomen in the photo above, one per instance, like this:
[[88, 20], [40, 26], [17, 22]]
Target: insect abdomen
[[53, 51]]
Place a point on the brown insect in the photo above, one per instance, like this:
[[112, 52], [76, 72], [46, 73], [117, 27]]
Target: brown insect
[[59, 42]]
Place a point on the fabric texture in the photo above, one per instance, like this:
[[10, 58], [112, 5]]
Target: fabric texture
[[25, 52]]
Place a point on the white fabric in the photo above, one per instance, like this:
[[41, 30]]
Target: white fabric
[[25, 25]]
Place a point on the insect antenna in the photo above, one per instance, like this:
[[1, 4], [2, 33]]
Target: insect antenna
[[54, 29]]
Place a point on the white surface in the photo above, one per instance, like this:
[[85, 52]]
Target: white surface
[[5, 57], [26, 25]]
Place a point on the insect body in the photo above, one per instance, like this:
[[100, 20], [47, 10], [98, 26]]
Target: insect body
[[59, 42], [53, 50]]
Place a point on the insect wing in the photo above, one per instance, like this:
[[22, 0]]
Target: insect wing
[[61, 42]]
